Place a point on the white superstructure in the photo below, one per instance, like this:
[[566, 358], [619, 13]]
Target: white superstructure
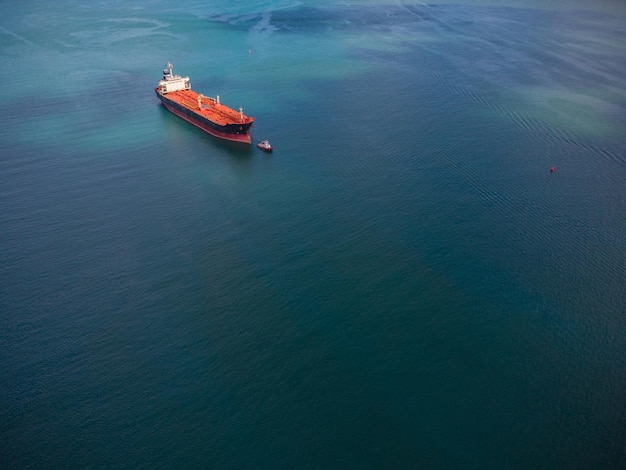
[[172, 82]]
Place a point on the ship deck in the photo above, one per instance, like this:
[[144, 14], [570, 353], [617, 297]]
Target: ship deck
[[210, 109]]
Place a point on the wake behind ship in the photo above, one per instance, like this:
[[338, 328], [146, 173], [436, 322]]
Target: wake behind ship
[[204, 112]]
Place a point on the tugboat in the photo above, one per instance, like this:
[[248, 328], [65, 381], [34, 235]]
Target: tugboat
[[265, 145]]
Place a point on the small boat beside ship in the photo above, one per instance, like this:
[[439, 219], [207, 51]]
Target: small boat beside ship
[[204, 112], [265, 145]]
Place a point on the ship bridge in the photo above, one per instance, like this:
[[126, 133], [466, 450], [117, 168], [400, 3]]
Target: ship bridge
[[173, 82]]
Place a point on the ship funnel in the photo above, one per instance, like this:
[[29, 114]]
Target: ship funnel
[[167, 72]]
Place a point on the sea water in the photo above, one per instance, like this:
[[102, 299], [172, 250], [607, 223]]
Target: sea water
[[403, 283]]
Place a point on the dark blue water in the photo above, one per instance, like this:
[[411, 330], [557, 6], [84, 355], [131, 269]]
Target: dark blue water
[[403, 283]]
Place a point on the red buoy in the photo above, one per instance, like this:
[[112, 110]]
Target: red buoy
[[552, 170]]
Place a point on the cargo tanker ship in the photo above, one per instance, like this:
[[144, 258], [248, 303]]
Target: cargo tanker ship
[[204, 112]]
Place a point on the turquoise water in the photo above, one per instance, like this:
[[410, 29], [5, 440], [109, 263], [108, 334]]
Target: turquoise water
[[403, 283]]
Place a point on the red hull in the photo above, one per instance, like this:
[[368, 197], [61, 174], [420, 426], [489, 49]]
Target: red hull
[[243, 138]]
